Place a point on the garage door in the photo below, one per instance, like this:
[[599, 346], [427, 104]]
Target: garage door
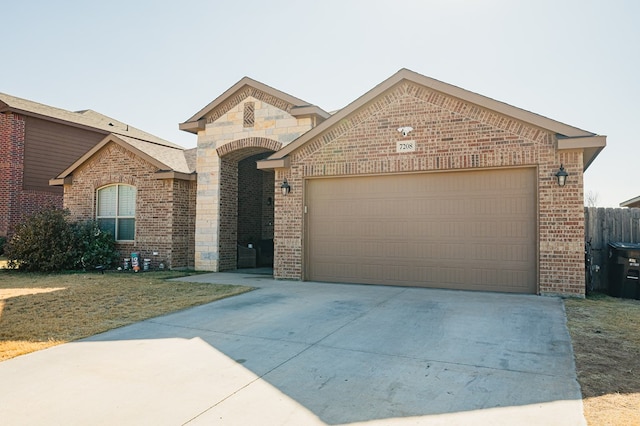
[[459, 230]]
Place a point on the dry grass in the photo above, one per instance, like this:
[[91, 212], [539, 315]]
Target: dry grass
[[38, 311], [605, 333]]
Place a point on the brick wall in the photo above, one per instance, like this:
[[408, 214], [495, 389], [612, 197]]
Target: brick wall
[[450, 135], [11, 167], [164, 208], [16, 203], [249, 201], [184, 223]]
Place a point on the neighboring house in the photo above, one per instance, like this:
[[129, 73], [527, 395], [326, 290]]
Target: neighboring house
[[37, 142], [416, 182], [634, 202], [105, 165]]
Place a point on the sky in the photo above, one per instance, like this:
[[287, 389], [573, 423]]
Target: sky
[[155, 63]]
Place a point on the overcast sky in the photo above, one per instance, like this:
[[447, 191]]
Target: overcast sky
[[155, 63]]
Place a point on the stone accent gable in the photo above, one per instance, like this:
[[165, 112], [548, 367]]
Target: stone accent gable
[[240, 97], [270, 121]]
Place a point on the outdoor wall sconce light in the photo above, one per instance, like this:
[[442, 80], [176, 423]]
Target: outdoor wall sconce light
[[562, 176], [285, 188]]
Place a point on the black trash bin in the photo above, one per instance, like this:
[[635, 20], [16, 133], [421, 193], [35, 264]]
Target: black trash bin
[[624, 270]]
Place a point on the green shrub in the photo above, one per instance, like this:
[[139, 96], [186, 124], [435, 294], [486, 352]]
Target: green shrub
[[3, 241], [43, 242], [48, 242], [93, 246]]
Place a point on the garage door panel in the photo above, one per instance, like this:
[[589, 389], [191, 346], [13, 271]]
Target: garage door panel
[[463, 230]]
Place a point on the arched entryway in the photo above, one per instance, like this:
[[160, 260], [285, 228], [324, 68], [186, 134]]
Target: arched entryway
[[246, 205]]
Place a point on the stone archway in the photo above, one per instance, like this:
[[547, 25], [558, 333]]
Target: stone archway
[[246, 198]]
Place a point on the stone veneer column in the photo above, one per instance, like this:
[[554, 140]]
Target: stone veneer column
[[207, 255]]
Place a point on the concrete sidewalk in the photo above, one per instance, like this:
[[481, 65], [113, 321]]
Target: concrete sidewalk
[[293, 353]]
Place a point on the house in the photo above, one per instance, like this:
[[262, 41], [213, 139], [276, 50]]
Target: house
[[36, 142], [142, 191], [39, 141], [634, 202], [417, 182]]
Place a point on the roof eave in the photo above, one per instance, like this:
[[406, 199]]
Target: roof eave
[[274, 163], [631, 202], [590, 145], [171, 174], [60, 182], [310, 111], [193, 126], [54, 120]]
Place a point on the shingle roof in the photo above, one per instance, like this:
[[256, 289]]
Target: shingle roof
[[166, 158], [166, 155], [85, 118], [174, 158]]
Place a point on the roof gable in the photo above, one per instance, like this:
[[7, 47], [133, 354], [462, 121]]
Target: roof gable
[[171, 162], [243, 89], [569, 137]]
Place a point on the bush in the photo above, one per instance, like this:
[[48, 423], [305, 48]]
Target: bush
[[3, 241], [93, 246], [43, 242], [48, 242]]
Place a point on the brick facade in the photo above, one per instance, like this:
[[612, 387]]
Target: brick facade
[[450, 134], [16, 203], [165, 208]]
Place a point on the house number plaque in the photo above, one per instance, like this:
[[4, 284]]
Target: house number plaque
[[405, 146]]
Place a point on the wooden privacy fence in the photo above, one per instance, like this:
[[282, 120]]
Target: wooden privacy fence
[[604, 226]]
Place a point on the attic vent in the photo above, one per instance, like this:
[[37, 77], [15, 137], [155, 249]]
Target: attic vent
[[249, 114]]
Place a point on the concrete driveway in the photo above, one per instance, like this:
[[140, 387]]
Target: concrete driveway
[[295, 353]]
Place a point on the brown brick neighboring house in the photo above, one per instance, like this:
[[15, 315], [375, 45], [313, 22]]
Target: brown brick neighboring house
[[148, 196], [37, 142], [417, 182]]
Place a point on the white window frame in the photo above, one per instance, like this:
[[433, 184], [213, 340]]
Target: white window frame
[[117, 215]]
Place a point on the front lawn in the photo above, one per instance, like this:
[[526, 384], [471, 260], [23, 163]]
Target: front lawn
[[42, 310]]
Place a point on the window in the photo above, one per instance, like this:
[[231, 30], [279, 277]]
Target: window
[[116, 211]]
